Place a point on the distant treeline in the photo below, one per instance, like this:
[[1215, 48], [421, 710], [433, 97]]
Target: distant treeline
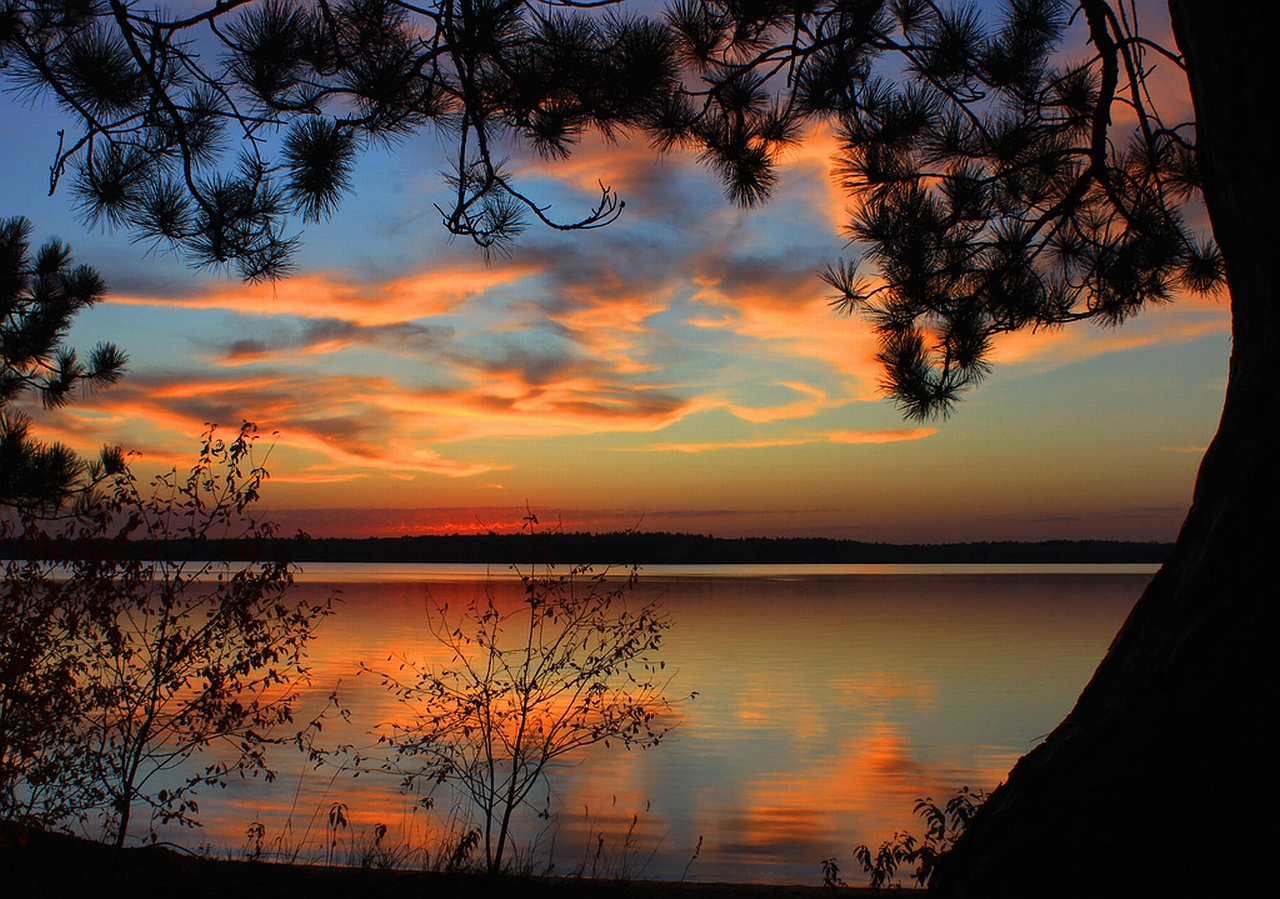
[[628, 548]]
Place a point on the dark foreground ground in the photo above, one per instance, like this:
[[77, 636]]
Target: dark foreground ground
[[39, 865]]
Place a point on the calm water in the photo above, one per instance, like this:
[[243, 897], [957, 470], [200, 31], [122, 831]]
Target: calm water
[[829, 699]]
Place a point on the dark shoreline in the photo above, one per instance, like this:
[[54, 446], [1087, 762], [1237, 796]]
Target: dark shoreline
[[665, 548], [36, 864], [627, 548]]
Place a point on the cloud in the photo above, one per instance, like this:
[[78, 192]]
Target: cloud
[[605, 333], [337, 419], [652, 187], [892, 436], [874, 437], [1190, 318], [507, 407], [677, 187], [800, 328], [738, 444], [286, 340], [313, 295], [814, 401]]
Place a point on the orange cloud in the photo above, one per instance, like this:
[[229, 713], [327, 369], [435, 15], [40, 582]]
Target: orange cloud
[[320, 295], [649, 184], [1189, 319], [740, 444], [625, 166], [817, 400], [896, 435], [795, 321], [506, 407], [813, 161], [613, 327], [338, 420], [893, 436]]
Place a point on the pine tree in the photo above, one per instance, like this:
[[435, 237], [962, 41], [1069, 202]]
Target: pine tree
[[205, 134], [39, 297]]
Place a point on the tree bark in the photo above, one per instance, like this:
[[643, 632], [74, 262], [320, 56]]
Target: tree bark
[[1163, 777]]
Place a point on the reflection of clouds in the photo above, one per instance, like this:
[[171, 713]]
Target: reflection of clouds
[[802, 806], [820, 721], [868, 784]]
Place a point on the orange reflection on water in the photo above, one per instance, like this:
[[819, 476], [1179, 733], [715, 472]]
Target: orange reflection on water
[[868, 785], [827, 705]]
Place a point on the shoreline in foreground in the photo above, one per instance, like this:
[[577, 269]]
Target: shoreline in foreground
[[39, 864]]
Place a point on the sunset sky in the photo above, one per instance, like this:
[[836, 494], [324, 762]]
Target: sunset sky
[[680, 370]]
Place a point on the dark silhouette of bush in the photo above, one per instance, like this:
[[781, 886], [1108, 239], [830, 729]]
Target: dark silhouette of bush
[[118, 668], [570, 667], [943, 826]]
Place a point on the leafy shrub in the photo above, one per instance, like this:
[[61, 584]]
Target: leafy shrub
[[570, 667], [122, 656], [943, 826]]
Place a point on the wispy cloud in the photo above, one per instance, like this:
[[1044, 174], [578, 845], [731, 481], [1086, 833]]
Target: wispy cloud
[[286, 338], [893, 436], [332, 295], [875, 437], [1189, 319]]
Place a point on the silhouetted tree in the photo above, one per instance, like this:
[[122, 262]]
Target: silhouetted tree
[[525, 686], [1164, 762], [177, 118], [117, 667], [999, 187], [39, 297], [998, 184], [40, 771], [943, 826]]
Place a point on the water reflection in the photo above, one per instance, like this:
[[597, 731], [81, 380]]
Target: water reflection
[[827, 704]]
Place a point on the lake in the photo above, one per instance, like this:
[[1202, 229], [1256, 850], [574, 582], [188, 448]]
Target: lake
[[829, 699]]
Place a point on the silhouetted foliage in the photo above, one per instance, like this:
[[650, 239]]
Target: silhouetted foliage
[[943, 826], [178, 118], [117, 669], [41, 778], [569, 667], [39, 298], [995, 189]]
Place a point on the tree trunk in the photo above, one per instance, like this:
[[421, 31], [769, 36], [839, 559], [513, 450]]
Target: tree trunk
[[1162, 777]]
